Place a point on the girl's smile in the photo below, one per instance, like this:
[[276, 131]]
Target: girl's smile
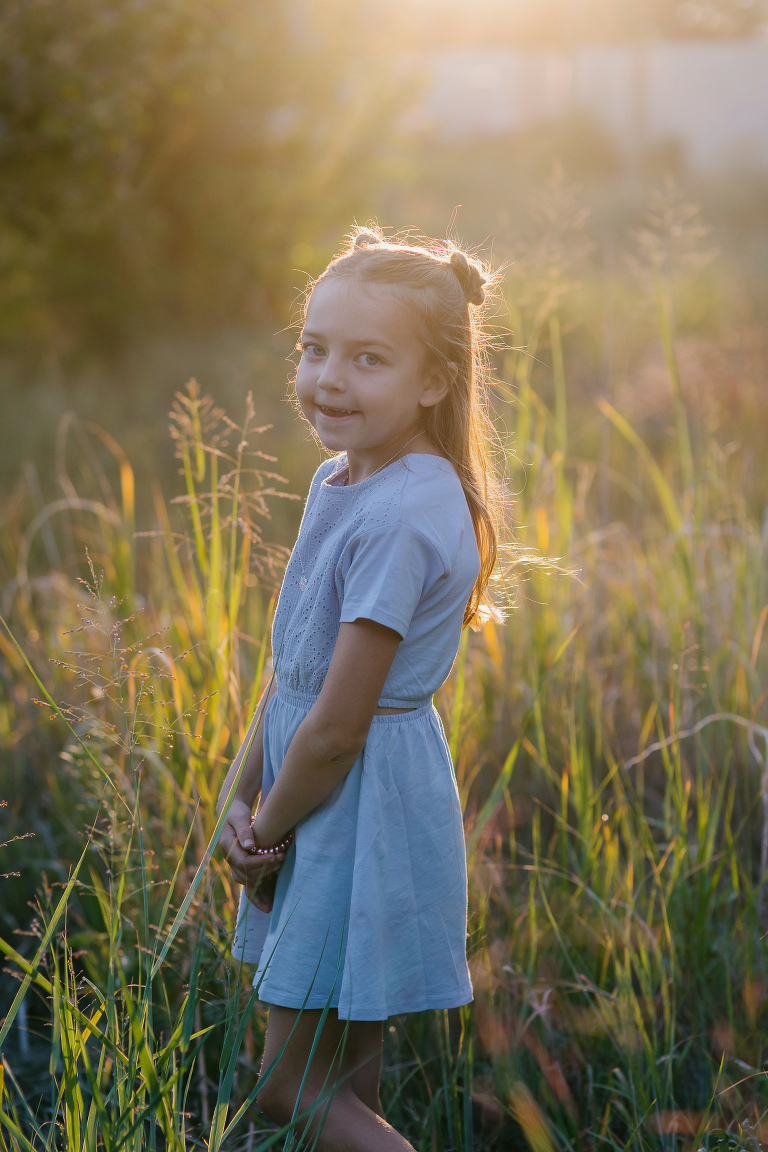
[[364, 381], [335, 413]]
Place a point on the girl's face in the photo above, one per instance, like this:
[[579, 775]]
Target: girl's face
[[364, 381]]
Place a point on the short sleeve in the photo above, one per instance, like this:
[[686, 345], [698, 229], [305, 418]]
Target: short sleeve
[[384, 573]]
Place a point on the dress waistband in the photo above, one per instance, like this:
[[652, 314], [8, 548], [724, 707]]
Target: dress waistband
[[307, 699]]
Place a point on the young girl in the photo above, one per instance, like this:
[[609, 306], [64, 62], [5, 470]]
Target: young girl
[[396, 547]]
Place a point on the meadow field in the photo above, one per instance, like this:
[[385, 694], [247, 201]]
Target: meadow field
[[610, 734]]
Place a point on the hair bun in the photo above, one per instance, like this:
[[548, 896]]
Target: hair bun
[[469, 276], [367, 239]]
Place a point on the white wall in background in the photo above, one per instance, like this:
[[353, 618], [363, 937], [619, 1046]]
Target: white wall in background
[[711, 96]]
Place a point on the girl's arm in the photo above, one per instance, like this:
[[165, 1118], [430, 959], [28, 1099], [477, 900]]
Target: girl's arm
[[332, 735], [236, 837]]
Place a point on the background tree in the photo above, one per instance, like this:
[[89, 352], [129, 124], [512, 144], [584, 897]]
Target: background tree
[[161, 160]]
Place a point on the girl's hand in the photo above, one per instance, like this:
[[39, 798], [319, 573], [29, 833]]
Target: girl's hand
[[238, 846]]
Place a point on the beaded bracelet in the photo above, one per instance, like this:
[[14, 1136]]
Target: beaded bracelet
[[273, 849]]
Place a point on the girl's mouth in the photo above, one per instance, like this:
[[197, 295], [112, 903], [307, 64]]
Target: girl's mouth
[[335, 413]]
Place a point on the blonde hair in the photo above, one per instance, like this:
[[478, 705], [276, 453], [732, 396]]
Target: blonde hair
[[446, 292]]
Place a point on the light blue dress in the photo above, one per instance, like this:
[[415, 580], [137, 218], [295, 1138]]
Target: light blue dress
[[370, 909]]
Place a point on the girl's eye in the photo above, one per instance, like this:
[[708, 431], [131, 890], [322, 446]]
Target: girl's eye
[[370, 359], [312, 349]]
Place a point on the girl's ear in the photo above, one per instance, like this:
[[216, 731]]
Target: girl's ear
[[437, 384]]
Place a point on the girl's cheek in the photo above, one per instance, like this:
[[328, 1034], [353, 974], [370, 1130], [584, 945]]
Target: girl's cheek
[[306, 408], [303, 391]]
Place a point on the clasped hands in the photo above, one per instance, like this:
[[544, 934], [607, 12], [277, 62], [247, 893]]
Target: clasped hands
[[253, 865]]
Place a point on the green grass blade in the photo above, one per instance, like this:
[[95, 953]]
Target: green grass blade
[[43, 946]]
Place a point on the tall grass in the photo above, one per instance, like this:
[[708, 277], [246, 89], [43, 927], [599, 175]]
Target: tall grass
[[611, 747]]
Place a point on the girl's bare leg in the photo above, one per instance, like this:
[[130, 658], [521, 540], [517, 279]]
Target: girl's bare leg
[[353, 1121]]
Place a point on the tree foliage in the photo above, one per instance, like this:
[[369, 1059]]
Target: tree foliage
[[162, 160]]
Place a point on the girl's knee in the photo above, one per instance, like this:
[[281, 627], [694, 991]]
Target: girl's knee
[[276, 1100], [368, 1094]]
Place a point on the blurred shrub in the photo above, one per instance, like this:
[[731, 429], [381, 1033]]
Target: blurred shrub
[[169, 163]]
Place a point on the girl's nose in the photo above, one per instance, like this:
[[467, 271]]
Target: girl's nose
[[330, 377]]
